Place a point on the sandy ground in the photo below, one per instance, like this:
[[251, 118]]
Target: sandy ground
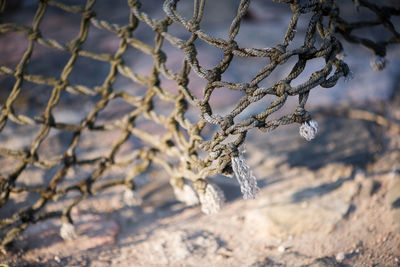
[[331, 202]]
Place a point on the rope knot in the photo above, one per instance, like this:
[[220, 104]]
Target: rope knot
[[62, 83], [161, 27], [183, 81], [69, 159], [278, 51], [282, 88], [232, 150], [34, 35], [33, 157], [134, 4], [74, 46], [301, 115], [88, 14], [194, 25], [160, 56], [125, 32], [118, 60], [213, 75], [232, 47], [190, 49], [227, 122]]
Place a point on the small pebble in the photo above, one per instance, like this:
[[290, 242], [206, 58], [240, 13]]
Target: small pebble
[[57, 259], [340, 256], [281, 248]]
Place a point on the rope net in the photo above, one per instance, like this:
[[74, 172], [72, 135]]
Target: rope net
[[184, 150]]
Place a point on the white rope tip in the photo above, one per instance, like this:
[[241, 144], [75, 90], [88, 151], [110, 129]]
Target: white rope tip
[[245, 177], [212, 199], [67, 231], [187, 195], [132, 198], [378, 63], [309, 129]]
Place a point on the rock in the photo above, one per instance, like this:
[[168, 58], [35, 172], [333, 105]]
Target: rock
[[57, 259], [171, 247], [340, 256], [281, 249], [91, 231], [295, 215]]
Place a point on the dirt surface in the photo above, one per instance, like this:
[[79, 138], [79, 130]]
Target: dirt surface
[[330, 202]]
